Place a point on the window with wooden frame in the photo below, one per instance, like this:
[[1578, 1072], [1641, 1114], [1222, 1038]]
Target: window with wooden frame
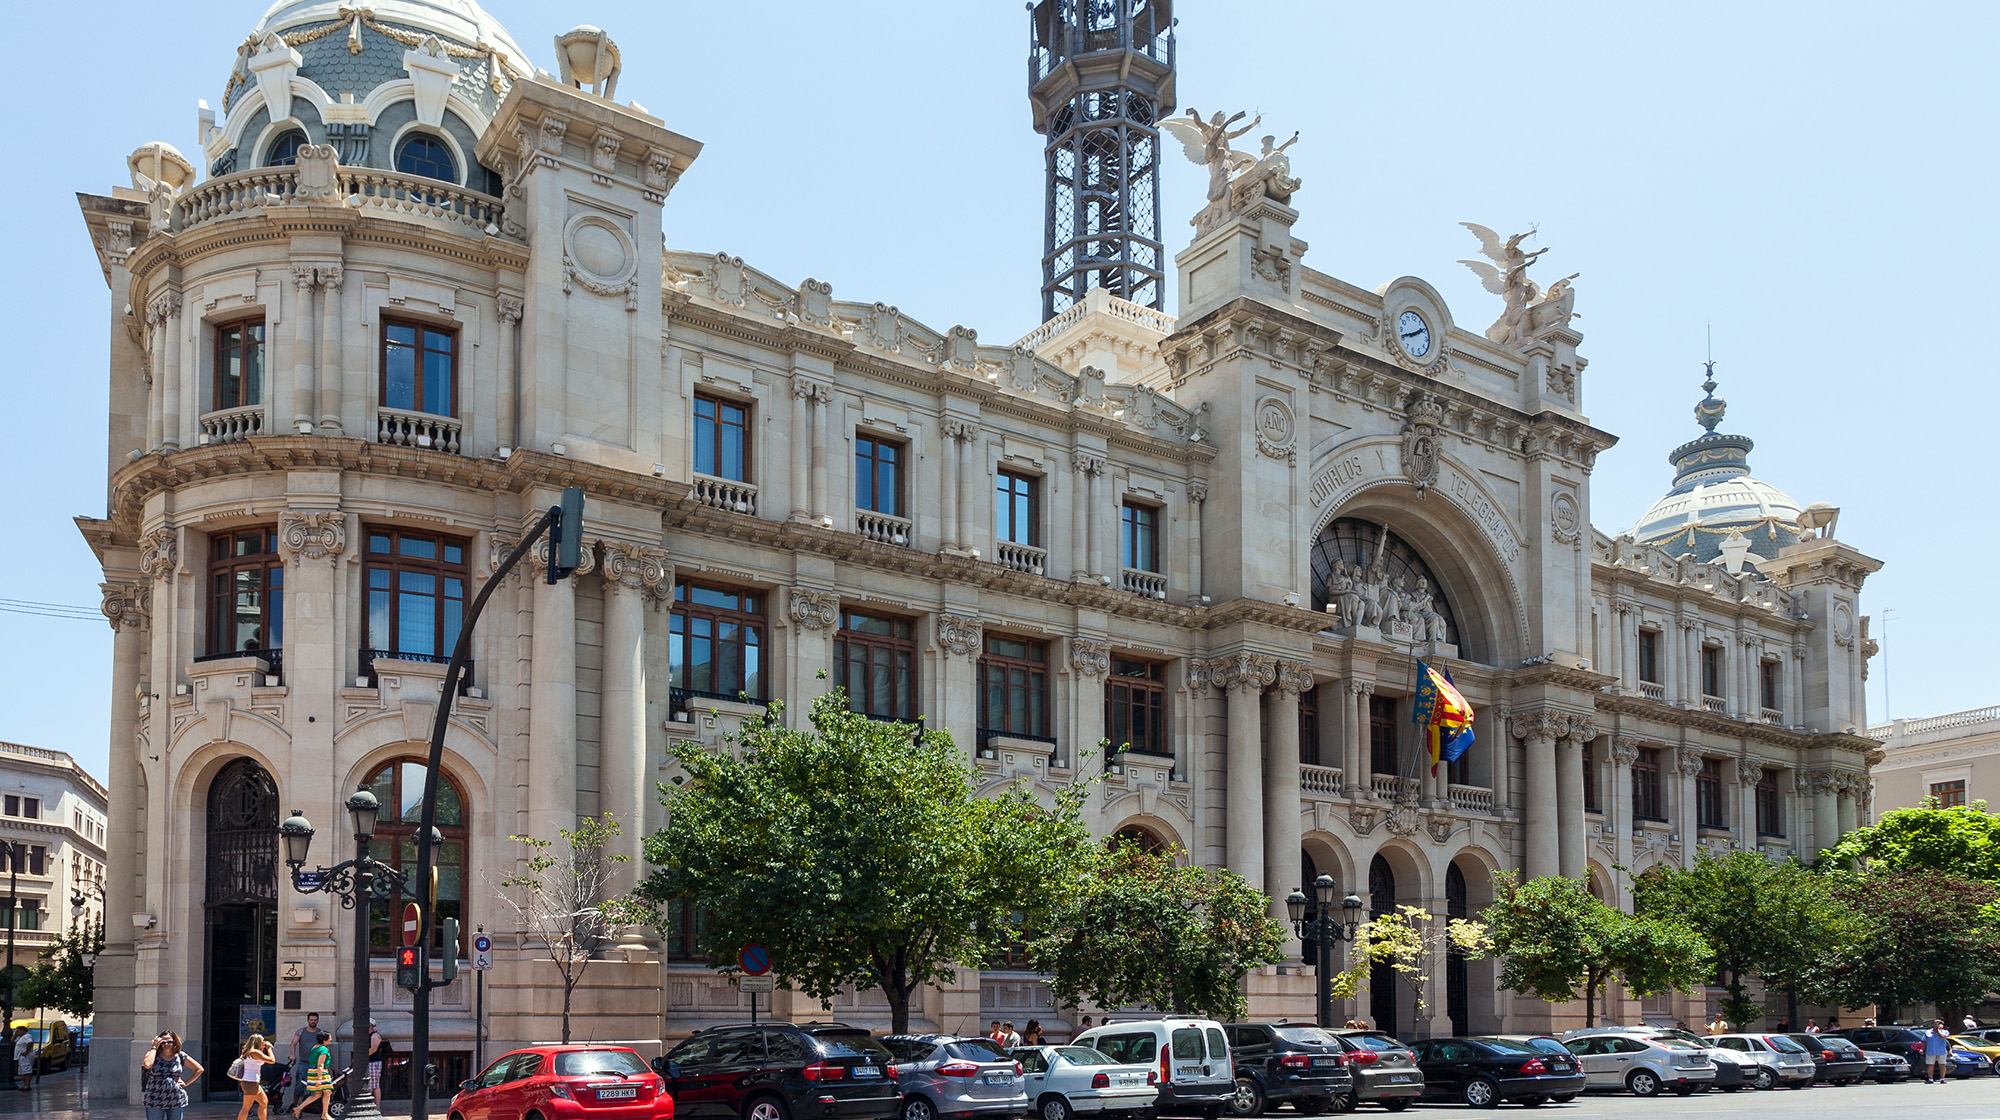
[[1309, 728], [1382, 754], [1646, 805], [682, 931], [1017, 508], [1708, 812], [1139, 536], [239, 364], [715, 642], [1950, 795], [875, 659], [1591, 803], [878, 475], [721, 438], [419, 368], [1770, 811], [416, 594], [1767, 683], [246, 593], [1014, 688], [1711, 671], [399, 786], [1135, 706], [1649, 656]]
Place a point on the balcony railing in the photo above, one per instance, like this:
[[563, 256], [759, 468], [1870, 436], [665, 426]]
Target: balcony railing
[[1146, 585], [370, 656], [883, 528], [1653, 691], [232, 425], [366, 189], [1470, 799], [1773, 716], [986, 749], [1324, 780], [683, 701], [403, 428], [1021, 557], [724, 494], [1715, 704], [275, 658], [1393, 787]]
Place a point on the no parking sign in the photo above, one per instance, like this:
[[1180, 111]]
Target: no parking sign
[[482, 952]]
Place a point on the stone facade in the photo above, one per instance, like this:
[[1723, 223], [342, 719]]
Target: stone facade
[[1190, 496], [53, 814]]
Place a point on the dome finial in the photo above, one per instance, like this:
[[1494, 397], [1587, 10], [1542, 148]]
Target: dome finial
[[1708, 410]]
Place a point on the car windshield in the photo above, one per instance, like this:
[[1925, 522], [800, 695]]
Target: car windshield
[[852, 1044], [1784, 1045], [579, 1063], [1506, 1046], [1375, 1042], [1085, 1056], [1312, 1036], [977, 1050]]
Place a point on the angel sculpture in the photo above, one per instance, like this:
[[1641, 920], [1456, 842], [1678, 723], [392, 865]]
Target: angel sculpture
[[1506, 277], [1207, 142]]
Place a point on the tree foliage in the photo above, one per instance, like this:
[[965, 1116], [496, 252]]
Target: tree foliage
[[559, 900], [1557, 941], [1410, 940], [1962, 841], [1930, 938], [60, 979], [1149, 932], [859, 852]]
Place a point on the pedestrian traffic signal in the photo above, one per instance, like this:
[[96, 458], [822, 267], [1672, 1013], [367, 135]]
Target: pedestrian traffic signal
[[410, 968], [448, 967], [566, 534]]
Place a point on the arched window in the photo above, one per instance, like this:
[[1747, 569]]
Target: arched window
[[284, 151], [399, 785], [1140, 837], [420, 153], [1374, 576]]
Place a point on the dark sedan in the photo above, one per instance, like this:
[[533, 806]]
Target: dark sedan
[[1482, 1071], [1836, 1061]]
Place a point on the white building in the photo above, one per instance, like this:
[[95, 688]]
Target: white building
[[1954, 758], [52, 825], [415, 291]]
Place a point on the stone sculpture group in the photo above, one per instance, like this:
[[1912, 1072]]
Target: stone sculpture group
[[1402, 608]]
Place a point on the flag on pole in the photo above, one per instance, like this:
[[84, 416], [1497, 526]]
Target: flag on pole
[[1444, 713]]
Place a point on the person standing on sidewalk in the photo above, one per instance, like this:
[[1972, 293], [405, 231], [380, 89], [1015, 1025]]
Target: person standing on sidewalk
[[1937, 1053], [300, 1056], [167, 1073], [378, 1049]]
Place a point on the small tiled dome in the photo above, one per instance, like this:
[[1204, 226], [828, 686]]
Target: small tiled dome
[[1714, 496]]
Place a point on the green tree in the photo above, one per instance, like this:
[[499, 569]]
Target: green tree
[[1931, 938], [60, 979], [1555, 940], [1760, 917], [1962, 841], [859, 852], [1409, 939], [1147, 931], [559, 900]]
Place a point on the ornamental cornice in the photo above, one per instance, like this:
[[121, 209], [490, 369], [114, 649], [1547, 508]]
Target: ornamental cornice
[[1701, 720]]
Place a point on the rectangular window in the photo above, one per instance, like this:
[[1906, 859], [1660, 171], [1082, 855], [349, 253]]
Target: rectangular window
[[1135, 706], [721, 439], [419, 368], [1950, 795], [1649, 656], [31, 807], [246, 593], [1382, 735], [38, 860], [1770, 821], [1767, 676], [1014, 687], [878, 475], [1711, 670], [1017, 508], [1590, 800], [875, 658], [13, 805], [1139, 537], [1309, 727], [239, 364], [416, 594], [31, 915], [715, 642], [1708, 795], [1646, 785], [682, 930]]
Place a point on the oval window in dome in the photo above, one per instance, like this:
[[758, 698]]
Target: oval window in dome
[[284, 151], [425, 155]]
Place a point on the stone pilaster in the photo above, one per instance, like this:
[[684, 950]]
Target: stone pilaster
[[634, 577], [1539, 732], [1570, 838], [1244, 677], [1282, 828]]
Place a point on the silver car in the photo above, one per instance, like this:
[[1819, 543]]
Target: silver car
[[947, 1076], [1780, 1061], [1067, 1081], [1646, 1066]]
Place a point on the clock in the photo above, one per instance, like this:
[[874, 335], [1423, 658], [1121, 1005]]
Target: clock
[[1414, 334]]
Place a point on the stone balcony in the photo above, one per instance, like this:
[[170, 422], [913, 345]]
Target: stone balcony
[[403, 428], [367, 190], [233, 425], [1146, 585], [724, 494], [1021, 557], [883, 528]]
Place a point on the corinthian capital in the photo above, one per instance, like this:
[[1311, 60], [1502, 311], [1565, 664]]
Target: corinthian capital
[[1624, 751], [631, 568], [509, 308], [127, 606], [1295, 677], [1542, 726], [1244, 672], [814, 610], [159, 551], [1582, 728], [1087, 463], [312, 534], [1688, 762]]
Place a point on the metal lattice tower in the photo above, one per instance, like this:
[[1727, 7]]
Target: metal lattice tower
[[1100, 77]]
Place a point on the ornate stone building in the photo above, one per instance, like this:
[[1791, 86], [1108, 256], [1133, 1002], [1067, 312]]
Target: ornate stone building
[[417, 287]]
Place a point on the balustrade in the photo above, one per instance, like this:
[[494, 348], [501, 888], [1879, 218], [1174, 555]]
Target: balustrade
[[232, 425], [883, 528], [1470, 799], [417, 429], [1393, 787], [1652, 691], [366, 189], [724, 494], [1021, 557], [1715, 704], [1146, 585], [1773, 716], [1323, 780]]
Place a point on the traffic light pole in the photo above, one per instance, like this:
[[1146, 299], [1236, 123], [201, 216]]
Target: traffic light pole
[[564, 525]]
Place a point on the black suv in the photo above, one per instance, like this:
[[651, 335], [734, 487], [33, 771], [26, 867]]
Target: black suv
[[1294, 1063], [781, 1071], [1904, 1042]]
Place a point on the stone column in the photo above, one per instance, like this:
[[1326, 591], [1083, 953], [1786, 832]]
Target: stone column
[[1096, 526], [959, 642], [304, 392], [128, 607], [1569, 795], [1687, 819], [1544, 845], [949, 432], [801, 444], [1747, 773], [1197, 493], [1083, 519], [551, 792], [1689, 657], [1244, 677], [1826, 809], [821, 437], [169, 308], [634, 576], [1089, 662], [815, 615], [330, 363], [1623, 666], [971, 471], [1354, 736], [1282, 830], [1618, 799], [1848, 787], [1495, 733], [161, 388], [508, 309]]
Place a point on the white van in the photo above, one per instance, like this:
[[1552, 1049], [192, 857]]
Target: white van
[[1191, 1056]]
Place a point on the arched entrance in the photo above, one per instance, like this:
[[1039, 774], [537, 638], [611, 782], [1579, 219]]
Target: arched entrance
[[1382, 976], [241, 904], [1456, 1001]]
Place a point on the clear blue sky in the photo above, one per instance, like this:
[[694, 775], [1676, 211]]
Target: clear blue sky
[[1817, 181]]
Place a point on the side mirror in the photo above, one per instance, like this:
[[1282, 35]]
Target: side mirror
[[468, 1085]]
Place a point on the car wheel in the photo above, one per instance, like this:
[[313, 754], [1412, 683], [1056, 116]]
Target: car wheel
[[772, 1108], [1480, 1092], [1765, 1079], [1643, 1083], [1056, 1108], [1248, 1101], [1343, 1102]]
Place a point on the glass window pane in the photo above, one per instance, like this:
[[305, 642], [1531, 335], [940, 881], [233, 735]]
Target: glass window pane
[[437, 384], [399, 372]]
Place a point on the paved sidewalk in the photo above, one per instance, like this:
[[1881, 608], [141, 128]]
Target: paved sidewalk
[[62, 1096]]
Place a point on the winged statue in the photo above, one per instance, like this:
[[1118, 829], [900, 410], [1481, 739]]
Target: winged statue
[[1207, 142], [1506, 277]]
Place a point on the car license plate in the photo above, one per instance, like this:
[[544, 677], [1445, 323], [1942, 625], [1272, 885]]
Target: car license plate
[[1321, 1063], [625, 1094], [867, 1071], [999, 1079], [1399, 1079]]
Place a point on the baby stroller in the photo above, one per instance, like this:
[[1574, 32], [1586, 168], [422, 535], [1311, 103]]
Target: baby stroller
[[336, 1106]]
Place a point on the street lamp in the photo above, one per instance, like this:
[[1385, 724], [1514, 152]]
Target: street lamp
[[1318, 924], [78, 902], [362, 880]]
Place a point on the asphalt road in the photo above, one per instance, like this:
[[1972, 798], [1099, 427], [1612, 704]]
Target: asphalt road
[[1976, 1098]]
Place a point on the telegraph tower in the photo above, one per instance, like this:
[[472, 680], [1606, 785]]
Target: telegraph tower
[[1100, 77]]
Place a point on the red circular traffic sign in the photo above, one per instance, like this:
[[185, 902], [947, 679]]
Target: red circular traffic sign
[[410, 924], [754, 959]]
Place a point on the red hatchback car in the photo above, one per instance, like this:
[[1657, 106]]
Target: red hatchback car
[[565, 1083]]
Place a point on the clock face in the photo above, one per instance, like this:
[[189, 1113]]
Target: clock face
[[1414, 334]]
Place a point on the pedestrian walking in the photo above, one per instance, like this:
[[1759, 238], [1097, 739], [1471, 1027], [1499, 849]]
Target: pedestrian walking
[[1833, 1022], [24, 1059], [1937, 1053], [300, 1055], [1084, 1026], [248, 1070], [319, 1078], [165, 1074], [378, 1050]]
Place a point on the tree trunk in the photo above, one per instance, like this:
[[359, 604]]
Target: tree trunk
[[1590, 982], [898, 995], [569, 986]]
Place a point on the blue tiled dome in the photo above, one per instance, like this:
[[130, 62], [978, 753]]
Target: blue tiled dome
[[1714, 496]]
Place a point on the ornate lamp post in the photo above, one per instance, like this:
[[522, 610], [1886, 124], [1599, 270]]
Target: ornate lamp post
[[356, 882], [1322, 928]]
